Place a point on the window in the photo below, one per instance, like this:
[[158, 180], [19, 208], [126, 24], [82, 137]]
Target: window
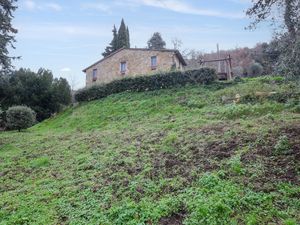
[[123, 67], [94, 74], [153, 62]]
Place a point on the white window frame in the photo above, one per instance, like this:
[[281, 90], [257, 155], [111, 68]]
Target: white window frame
[[94, 74], [125, 67], [152, 65]]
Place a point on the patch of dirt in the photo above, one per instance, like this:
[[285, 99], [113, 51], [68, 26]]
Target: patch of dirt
[[276, 167], [217, 129], [195, 154], [174, 219]]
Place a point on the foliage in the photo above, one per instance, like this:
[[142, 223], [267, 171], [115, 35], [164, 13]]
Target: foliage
[[267, 55], [2, 120], [20, 117], [113, 44], [123, 36], [248, 110], [289, 59], [39, 91], [287, 43], [156, 42], [283, 145], [147, 83], [242, 58], [262, 10], [7, 33], [255, 69], [238, 71], [120, 39]]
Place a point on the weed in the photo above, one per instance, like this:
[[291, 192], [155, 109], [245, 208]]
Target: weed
[[40, 162], [236, 165], [169, 142], [283, 145]]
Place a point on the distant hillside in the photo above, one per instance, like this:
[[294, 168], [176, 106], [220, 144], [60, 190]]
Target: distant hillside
[[179, 156]]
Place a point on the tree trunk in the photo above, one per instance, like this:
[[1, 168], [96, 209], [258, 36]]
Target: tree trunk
[[288, 18]]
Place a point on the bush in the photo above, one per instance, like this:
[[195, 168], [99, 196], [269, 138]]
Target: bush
[[238, 71], [256, 69], [147, 83], [38, 90], [20, 117], [1, 118]]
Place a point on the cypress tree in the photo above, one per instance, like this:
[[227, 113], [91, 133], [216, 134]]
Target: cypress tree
[[113, 45], [120, 39], [123, 36], [114, 42], [128, 38]]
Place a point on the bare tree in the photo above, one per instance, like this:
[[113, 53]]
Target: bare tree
[[177, 43]]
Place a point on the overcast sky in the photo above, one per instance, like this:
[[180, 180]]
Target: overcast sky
[[67, 36]]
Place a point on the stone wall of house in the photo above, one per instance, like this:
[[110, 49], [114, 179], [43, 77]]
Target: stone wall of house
[[138, 62]]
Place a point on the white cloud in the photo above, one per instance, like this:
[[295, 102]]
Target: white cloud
[[241, 1], [54, 6], [66, 69], [30, 5], [33, 6], [97, 6], [54, 31], [182, 7]]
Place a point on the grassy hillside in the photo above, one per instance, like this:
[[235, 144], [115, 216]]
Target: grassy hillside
[[179, 156]]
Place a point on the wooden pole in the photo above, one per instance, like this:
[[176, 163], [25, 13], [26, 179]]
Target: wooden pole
[[219, 63], [228, 62], [230, 66]]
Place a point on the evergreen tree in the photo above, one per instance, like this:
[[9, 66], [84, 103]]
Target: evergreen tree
[[128, 38], [120, 39], [114, 42], [123, 36], [113, 45], [40, 91], [7, 32], [156, 42]]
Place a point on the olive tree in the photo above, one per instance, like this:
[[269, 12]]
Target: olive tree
[[255, 69], [20, 117], [288, 38]]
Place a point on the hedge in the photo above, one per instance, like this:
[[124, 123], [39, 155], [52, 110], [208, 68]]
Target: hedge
[[147, 83]]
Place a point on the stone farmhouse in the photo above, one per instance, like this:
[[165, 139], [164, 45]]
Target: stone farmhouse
[[130, 62]]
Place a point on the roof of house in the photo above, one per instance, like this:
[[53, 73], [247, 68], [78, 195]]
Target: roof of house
[[178, 54]]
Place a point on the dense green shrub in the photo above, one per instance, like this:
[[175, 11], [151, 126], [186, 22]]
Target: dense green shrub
[[1, 118], [147, 83], [40, 91], [255, 69], [20, 117]]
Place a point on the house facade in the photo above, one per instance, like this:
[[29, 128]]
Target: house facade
[[130, 62]]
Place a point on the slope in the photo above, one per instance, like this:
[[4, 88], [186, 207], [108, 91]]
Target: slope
[[178, 156]]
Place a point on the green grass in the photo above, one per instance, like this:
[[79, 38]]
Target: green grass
[[161, 157]]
